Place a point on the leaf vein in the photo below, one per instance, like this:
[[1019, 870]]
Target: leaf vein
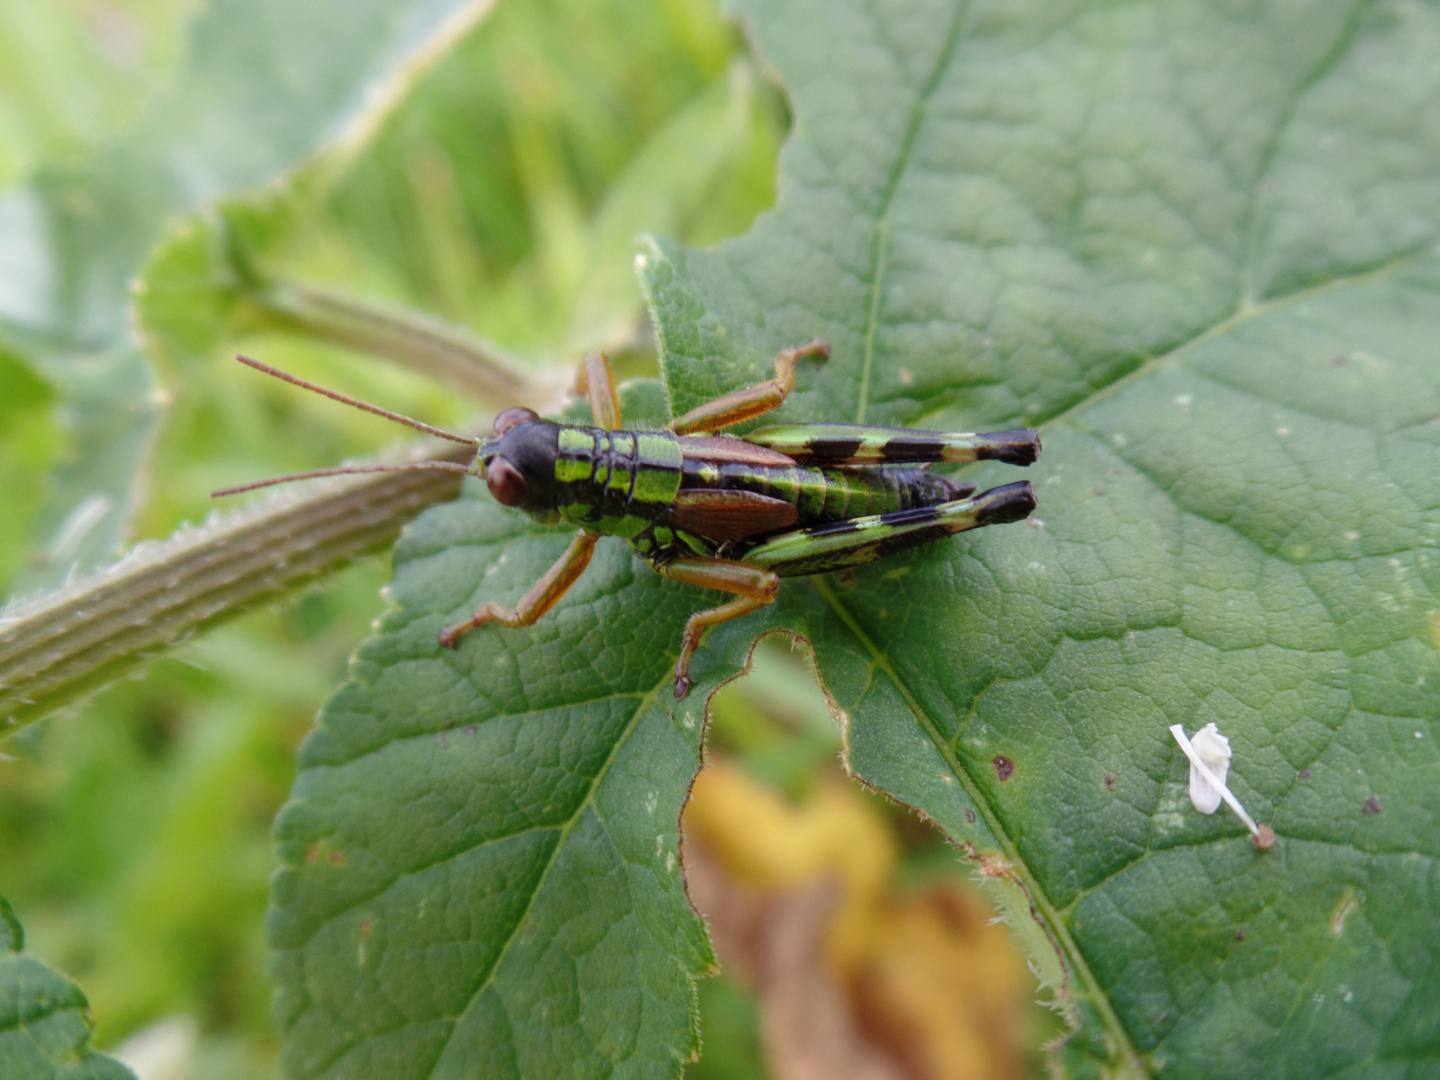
[[976, 793], [881, 239], [645, 703], [1272, 149]]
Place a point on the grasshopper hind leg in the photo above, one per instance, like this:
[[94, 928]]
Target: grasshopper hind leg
[[823, 549]]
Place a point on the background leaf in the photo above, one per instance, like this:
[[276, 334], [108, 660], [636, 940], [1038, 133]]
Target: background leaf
[[1196, 244], [264, 86], [136, 831], [45, 1020], [480, 872]]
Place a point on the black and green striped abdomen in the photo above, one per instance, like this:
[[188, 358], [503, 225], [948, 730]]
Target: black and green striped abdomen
[[615, 482], [822, 495]]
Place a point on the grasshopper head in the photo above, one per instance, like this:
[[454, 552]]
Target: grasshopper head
[[519, 463]]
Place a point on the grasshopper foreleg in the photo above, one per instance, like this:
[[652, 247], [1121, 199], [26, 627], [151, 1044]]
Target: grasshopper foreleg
[[754, 587], [540, 598]]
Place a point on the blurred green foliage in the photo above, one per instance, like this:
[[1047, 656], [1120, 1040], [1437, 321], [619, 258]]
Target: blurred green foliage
[[74, 71], [29, 445], [504, 194]]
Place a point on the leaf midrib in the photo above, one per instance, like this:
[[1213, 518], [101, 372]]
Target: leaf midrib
[[1017, 864], [646, 702], [881, 239]]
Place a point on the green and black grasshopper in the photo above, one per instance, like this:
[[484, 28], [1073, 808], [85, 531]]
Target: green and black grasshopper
[[731, 514]]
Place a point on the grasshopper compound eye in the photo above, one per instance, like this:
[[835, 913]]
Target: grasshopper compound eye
[[507, 483], [512, 418]]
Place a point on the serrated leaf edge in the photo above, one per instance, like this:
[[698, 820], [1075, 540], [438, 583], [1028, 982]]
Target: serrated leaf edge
[[1010, 864]]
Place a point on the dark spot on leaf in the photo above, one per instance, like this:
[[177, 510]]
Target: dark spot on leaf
[[1239, 935], [1099, 491], [970, 816], [1264, 840], [312, 852], [1004, 767], [1305, 773], [1339, 361], [336, 858], [470, 729], [367, 927], [1110, 779], [1372, 804]]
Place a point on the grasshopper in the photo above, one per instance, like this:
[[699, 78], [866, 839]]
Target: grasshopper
[[731, 514]]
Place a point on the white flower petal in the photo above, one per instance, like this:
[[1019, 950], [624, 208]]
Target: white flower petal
[[1264, 838], [1214, 750]]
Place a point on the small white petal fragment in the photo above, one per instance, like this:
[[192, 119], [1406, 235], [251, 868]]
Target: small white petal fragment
[[1199, 765], [1214, 750]]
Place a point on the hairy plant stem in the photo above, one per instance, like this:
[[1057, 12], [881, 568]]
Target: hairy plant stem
[[65, 643], [430, 346]]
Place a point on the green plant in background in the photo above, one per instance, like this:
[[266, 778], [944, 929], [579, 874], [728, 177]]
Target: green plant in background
[[137, 845], [1194, 245]]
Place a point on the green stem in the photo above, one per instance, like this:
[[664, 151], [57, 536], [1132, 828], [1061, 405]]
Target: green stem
[[67, 643], [427, 345]]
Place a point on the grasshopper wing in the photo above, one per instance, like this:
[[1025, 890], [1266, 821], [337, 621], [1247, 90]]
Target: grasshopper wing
[[729, 515]]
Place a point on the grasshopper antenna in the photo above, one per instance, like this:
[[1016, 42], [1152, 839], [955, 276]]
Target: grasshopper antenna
[[344, 399], [345, 470]]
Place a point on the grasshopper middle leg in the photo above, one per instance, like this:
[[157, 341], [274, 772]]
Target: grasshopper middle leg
[[755, 588], [752, 401]]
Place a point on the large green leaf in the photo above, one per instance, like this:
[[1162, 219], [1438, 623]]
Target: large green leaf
[[1194, 243], [265, 85], [45, 1020], [479, 861]]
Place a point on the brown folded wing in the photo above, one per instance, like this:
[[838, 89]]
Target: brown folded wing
[[729, 515]]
